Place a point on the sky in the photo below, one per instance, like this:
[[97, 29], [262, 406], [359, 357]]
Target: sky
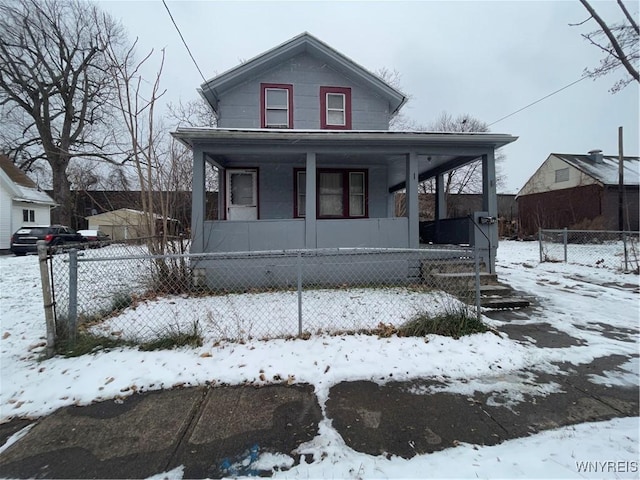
[[32, 387], [486, 59]]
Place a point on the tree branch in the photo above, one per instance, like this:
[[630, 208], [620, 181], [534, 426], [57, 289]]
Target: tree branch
[[632, 22], [612, 39]]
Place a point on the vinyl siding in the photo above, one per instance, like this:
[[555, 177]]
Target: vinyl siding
[[5, 218], [240, 107]]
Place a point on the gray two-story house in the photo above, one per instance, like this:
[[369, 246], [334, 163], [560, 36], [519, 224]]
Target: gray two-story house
[[305, 158]]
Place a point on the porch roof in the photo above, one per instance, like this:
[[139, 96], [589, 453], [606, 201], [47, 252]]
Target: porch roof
[[438, 152], [302, 140]]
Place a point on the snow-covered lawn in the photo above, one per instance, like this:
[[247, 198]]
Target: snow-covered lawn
[[577, 300]]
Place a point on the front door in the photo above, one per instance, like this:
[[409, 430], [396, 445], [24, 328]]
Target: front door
[[242, 194]]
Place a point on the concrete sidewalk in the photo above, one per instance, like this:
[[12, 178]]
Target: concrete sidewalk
[[212, 431]]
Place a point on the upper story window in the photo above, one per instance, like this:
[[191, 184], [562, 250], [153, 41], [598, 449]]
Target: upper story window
[[562, 175], [276, 105], [335, 108]]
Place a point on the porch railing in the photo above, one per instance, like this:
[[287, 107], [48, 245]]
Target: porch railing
[[290, 234]]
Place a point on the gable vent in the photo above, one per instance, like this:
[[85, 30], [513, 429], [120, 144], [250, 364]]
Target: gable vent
[[596, 156]]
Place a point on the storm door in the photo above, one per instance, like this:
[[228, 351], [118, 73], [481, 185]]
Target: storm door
[[242, 194]]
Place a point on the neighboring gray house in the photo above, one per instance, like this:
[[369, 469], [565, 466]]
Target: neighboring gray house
[[22, 203], [306, 160]]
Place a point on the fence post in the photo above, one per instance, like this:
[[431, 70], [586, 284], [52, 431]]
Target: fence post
[[477, 282], [46, 298], [626, 253], [540, 244], [299, 293], [564, 241], [73, 296]]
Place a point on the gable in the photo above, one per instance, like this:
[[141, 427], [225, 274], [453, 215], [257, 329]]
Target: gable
[[555, 174], [213, 89], [306, 76], [19, 186]]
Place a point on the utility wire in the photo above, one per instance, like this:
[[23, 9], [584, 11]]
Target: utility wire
[[539, 100], [492, 123], [183, 40]]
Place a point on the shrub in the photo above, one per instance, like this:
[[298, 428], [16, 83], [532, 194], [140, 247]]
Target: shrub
[[176, 338], [452, 323], [86, 343]]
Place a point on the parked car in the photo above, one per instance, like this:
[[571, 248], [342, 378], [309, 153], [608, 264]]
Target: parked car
[[96, 238], [25, 240]]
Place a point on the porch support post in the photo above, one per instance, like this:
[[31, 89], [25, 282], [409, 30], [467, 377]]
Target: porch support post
[[413, 213], [441, 198], [198, 201], [489, 195], [490, 202], [221, 194], [311, 240]]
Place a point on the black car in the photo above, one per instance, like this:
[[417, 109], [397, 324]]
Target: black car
[[96, 238], [25, 240]]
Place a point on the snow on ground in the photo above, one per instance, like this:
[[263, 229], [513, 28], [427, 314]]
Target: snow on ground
[[582, 301]]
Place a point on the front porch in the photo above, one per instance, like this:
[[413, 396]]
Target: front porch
[[325, 189]]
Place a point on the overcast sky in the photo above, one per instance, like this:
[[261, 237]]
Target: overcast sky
[[482, 58]]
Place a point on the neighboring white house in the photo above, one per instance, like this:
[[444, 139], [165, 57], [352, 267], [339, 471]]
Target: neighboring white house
[[21, 202]]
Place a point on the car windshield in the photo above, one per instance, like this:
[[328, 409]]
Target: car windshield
[[34, 231]]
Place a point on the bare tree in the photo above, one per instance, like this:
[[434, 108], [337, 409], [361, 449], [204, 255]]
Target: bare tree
[[619, 41], [193, 113], [399, 121], [55, 88], [163, 170], [467, 179], [159, 166], [137, 110]]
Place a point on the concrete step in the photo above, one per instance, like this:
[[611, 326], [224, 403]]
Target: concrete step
[[495, 289], [498, 303], [466, 277], [493, 294], [456, 266]]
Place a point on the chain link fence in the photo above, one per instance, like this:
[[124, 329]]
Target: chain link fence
[[604, 249], [124, 291]]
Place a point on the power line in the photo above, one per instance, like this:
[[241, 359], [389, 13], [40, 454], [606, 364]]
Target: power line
[[183, 40], [539, 100]]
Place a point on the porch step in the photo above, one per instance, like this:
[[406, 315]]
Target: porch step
[[493, 294], [458, 277], [495, 289], [498, 303], [486, 278], [450, 266], [498, 296]]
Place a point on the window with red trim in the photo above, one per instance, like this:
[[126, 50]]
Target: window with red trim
[[340, 193], [276, 105], [335, 108]]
